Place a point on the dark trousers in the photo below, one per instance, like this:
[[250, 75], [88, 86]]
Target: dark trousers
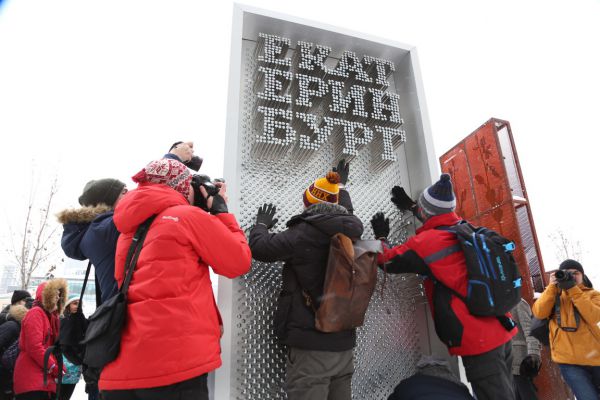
[[490, 373], [35, 396], [319, 375], [66, 391], [524, 388], [192, 389]]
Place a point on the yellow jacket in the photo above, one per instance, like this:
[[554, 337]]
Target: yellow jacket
[[581, 347]]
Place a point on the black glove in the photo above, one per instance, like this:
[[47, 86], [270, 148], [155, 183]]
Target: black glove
[[380, 225], [218, 205], [265, 215], [401, 199], [566, 285], [343, 169], [530, 366]]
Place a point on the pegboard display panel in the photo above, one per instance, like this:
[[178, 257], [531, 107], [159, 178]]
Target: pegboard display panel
[[388, 344]]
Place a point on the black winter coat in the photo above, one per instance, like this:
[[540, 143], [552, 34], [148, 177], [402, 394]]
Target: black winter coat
[[4, 314], [10, 330], [304, 247]]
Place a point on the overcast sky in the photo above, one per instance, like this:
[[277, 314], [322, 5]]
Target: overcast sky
[[97, 89]]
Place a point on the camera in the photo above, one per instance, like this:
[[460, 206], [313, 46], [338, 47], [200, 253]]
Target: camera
[[198, 181], [563, 276], [194, 163]]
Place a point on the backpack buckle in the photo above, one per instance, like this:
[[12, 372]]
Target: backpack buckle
[[510, 246]]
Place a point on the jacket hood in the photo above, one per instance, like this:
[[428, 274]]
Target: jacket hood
[[76, 223], [141, 203], [81, 215], [330, 219], [447, 219], [17, 312], [46, 292]]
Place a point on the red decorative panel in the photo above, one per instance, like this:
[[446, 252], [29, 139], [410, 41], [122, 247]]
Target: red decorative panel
[[455, 163], [490, 183], [484, 197]]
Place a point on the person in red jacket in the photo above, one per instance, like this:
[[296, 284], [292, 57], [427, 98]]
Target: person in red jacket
[[482, 342], [172, 330], [39, 330]]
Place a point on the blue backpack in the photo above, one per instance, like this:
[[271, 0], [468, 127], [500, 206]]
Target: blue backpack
[[494, 280]]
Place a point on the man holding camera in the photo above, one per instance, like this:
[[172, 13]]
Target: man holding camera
[[171, 336], [482, 342], [573, 308]]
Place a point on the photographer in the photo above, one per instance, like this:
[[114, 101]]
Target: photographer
[[574, 311], [171, 336], [184, 153]]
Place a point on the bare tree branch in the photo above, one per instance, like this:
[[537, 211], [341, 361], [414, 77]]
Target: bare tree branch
[[565, 246], [37, 235]]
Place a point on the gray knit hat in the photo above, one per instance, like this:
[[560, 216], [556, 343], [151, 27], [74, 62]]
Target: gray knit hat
[[438, 198], [101, 191]]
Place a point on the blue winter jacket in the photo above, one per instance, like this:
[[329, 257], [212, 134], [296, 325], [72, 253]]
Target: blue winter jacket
[[89, 233]]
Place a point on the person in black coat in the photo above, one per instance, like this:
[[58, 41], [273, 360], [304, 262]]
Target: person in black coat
[[9, 333], [319, 365], [19, 297], [433, 381]]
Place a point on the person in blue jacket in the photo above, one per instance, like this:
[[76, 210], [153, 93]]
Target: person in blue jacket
[[89, 232]]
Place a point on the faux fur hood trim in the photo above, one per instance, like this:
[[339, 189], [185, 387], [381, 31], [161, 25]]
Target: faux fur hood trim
[[82, 215], [325, 208], [49, 291], [17, 312]]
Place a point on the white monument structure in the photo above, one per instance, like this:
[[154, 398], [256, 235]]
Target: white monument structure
[[303, 95]]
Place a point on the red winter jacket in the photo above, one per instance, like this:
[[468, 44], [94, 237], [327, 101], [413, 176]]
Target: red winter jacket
[[39, 330], [172, 329], [463, 333]]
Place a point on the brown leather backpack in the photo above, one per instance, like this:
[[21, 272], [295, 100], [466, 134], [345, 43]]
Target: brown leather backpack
[[350, 280]]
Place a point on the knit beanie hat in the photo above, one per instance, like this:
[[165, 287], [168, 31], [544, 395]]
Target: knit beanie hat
[[571, 264], [19, 295], [167, 172], [438, 198], [323, 190], [101, 191]]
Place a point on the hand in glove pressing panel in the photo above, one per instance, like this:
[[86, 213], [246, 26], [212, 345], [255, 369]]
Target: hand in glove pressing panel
[[380, 225], [265, 215]]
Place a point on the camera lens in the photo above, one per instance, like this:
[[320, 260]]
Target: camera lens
[[563, 276]]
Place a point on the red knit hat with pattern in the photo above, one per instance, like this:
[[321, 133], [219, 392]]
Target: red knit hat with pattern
[[167, 172]]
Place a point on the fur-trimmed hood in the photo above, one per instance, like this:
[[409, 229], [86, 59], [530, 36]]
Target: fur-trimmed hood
[[17, 312], [82, 215], [46, 292]]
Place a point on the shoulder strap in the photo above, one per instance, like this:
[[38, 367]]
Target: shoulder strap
[[87, 274], [557, 312], [134, 252]]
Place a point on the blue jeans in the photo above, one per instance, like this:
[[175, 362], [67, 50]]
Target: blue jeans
[[583, 380]]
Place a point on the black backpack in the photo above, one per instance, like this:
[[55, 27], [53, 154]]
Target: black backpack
[[103, 335], [494, 280]]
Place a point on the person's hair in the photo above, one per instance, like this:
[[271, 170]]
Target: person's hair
[[175, 145]]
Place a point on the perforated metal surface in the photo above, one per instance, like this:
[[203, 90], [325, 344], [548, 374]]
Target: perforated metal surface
[[388, 344]]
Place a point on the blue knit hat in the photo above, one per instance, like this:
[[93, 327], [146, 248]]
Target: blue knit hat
[[438, 198]]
